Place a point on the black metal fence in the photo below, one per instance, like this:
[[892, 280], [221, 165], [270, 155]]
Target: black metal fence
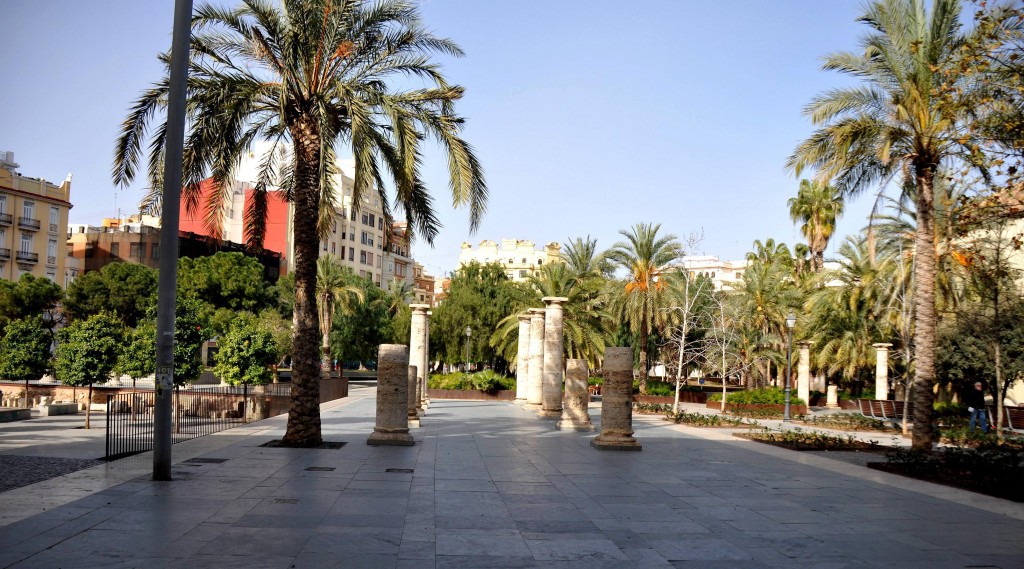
[[197, 411]]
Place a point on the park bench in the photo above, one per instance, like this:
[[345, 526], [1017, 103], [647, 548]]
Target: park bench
[[885, 410], [1013, 418]]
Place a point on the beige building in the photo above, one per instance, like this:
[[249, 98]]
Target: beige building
[[423, 288], [33, 224], [723, 274], [519, 257]]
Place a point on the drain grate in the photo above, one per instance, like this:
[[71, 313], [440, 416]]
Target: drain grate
[[320, 468], [285, 501], [402, 470], [206, 460]]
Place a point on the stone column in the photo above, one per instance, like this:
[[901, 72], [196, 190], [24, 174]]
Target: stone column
[[392, 397], [425, 375], [554, 358], [417, 337], [832, 397], [414, 382], [617, 402], [535, 366], [803, 372], [882, 370], [575, 414], [522, 358]]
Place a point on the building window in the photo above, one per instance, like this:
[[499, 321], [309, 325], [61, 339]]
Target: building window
[[134, 251], [54, 215], [26, 243], [344, 236], [52, 276], [539, 261], [372, 221], [3, 204], [739, 275], [156, 251], [522, 274], [352, 236], [115, 249], [334, 226], [51, 248], [366, 238], [325, 245], [380, 224], [362, 273], [379, 261], [362, 257], [712, 274], [353, 216], [333, 247], [524, 260], [511, 275], [28, 210], [3, 237], [351, 254], [365, 218]]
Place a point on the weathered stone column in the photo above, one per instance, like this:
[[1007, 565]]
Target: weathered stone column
[[617, 402], [535, 366], [803, 372], [414, 382], [425, 401], [882, 370], [522, 358], [554, 358], [832, 396], [392, 397], [417, 337], [575, 414]]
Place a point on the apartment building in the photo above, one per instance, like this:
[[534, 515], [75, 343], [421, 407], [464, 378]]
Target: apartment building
[[423, 289], [519, 257], [33, 222], [397, 262]]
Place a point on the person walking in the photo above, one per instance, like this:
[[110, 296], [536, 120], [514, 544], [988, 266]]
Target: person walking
[[975, 400]]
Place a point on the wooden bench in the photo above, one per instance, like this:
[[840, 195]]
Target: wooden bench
[[885, 410], [1013, 418]]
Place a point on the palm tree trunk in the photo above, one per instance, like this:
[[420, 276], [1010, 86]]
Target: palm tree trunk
[[304, 411], [924, 299], [325, 357], [643, 357]]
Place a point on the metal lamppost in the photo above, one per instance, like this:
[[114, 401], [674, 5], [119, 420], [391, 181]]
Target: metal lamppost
[[790, 323], [469, 332]]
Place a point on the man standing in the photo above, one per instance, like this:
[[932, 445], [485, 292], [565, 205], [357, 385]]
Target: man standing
[[975, 400]]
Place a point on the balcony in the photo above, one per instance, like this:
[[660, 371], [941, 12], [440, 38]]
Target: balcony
[[53, 227], [5, 254], [51, 261], [27, 257], [6, 219], [28, 223]]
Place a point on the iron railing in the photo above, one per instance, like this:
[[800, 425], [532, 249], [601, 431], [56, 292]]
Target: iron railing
[[198, 411], [29, 223], [6, 219], [27, 257]]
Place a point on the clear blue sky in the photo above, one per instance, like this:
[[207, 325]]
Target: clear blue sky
[[588, 116]]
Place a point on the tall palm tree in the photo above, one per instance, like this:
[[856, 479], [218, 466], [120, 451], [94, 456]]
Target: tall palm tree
[[332, 296], [398, 295], [584, 260], [312, 76], [817, 205], [904, 120], [648, 289]]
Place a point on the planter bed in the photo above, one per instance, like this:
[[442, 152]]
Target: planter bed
[[793, 409], [684, 397], [858, 446], [957, 479], [472, 395]]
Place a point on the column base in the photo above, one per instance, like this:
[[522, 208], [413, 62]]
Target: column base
[[532, 407], [615, 443], [519, 402], [390, 439], [572, 426], [414, 422], [549, 414]]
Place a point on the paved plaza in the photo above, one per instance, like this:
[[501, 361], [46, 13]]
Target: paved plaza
[[490, 485]]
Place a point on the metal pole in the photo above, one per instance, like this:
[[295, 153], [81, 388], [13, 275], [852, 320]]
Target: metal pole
[[168, 276], [789, 374]]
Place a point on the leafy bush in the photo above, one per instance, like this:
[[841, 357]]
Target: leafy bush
[[996, 471], [811, 440], [651, 408], [767, 396], [849, 422], [949, 409], [487, 381], [702, 420]]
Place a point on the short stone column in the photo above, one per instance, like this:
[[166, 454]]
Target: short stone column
[[535, 366], [392, 397], [803, 372], [425, 374], [617, 402], [414, 382], [575, 413], [832, 396], [417, 339], [522, 358], [882, 370], [554, 358]]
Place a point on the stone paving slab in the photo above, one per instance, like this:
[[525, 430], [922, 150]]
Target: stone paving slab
[[493, 486]]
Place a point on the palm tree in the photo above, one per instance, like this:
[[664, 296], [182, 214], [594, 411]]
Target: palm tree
[[648, 290], [398, 295], [332, 296], [903, 121], [817, 206], [584, 260], [310, 76]]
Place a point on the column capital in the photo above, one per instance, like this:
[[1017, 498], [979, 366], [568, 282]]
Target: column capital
[[555, 300], [805, 343], [524, 316], [536, 311], [882, 345], [419, 308]]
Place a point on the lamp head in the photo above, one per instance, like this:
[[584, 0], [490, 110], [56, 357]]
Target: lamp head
[[469, 331], [791, 321]]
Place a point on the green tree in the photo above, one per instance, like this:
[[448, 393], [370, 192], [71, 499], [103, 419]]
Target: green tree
[[191, 329], [226, 280], [333, 296], [362, 327], [310, 75], [87, 351], [138, 357], [127, 290], [817, 206], [24, 351], [27, 297], [641, 301], [904, 120], [245, 354], [479, 296]]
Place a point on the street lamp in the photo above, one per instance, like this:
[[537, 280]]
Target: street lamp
[[790, 323], [469, 332]]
